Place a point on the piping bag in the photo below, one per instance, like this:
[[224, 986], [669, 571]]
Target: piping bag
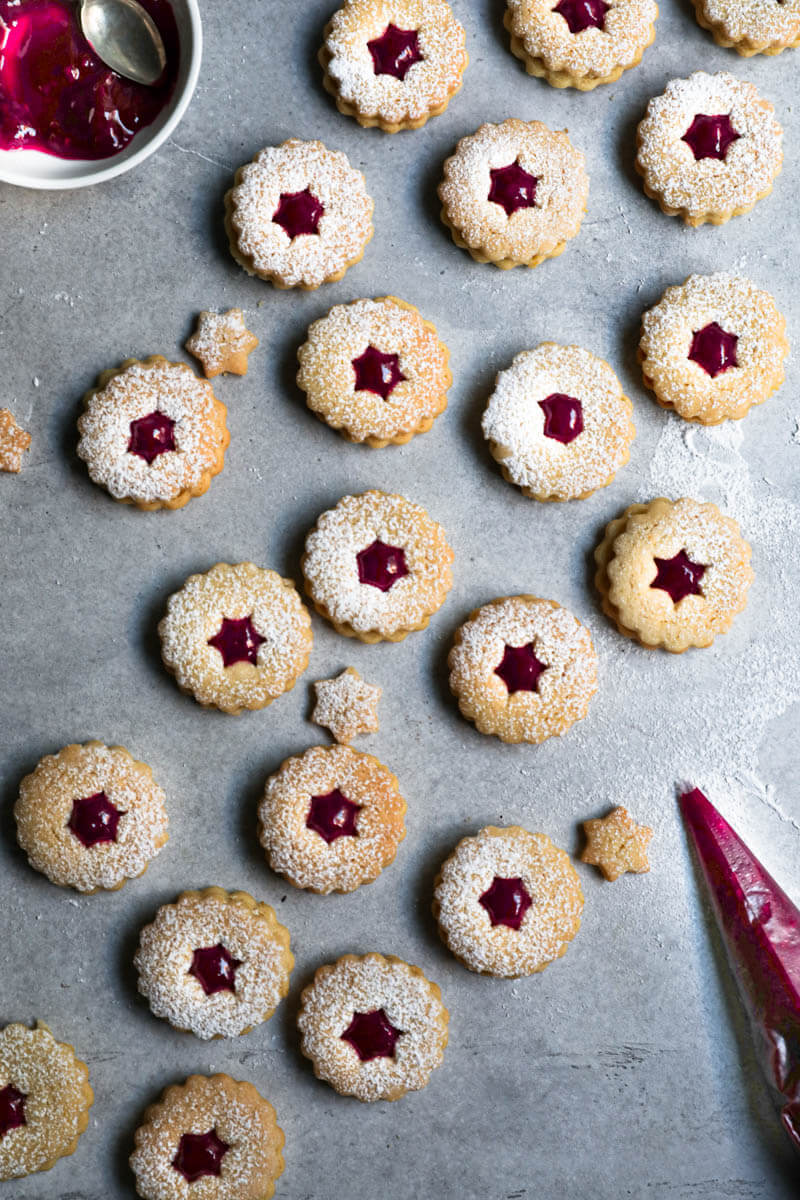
[[760, 927]]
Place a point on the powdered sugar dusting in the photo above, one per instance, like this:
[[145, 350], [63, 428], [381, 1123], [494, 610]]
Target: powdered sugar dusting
[[544, 33], [222, 342], [758, 24], [347, 705]]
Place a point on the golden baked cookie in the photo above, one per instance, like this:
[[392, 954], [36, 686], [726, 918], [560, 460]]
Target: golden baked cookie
[[514, 194], [331, 819], [558, 423], [375, 370], [211, 1137], [673, 573], [222, 343], [713, 347], [14, 441], [507, 902], [374, 1027], [393, 63], [236, 637], [91, 817], [709, 148], [153, 434], [523, 669], [616, 844], [377, 567], [580, 43], [346, 705], [298, 215], [214, 963], [751, 26], [45, 1099]]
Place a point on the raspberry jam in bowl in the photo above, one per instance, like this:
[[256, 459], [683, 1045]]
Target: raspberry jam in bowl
[[66, 119]]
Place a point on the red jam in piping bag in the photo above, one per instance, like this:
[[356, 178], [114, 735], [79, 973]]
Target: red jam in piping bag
[[760, 927]]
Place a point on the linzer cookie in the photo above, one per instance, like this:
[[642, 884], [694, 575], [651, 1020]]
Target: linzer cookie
[[514, 194], [673, 573], [580, 43], [393, 63], [45, 1099], [751, 26], [152, 433], [236, 637], [523, 669], [298, 215], [91, 817], [331, 819], [212, 1137], [558, 423], [373, 1027], [709, 148], [508, 902], [214, 963], [713, 347], [375, 370], [377, 567]]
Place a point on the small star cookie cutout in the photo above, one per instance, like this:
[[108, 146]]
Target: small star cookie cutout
[[13, 442], [346, 705], [616, 844], [222, 343]]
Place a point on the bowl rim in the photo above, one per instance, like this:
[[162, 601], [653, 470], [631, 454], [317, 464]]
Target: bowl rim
[[111, 168]]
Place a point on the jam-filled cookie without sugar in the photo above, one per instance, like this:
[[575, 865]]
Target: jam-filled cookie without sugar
[[212, 1137], [393, 63], [374, 1027], [751, 26]]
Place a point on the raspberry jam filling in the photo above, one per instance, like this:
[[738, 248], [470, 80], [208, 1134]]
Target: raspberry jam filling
[[713, 349], [679, 576], [563, 417], [214, 968], [381, 566], [506, 901], [372, 1035], [56, 96], [12, 1109], [377, 372], [94, 820], [583, 14], [200, 1154], [512, 188], [395, 51], [238, 640], [710, 137], [520, 669], [152, 435], [333, 816], [298, 213]]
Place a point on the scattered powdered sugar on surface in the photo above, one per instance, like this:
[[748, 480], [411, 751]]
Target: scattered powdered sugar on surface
[[757, 21], [545, 34]]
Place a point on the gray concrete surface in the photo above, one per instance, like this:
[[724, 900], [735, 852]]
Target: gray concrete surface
[[625, 1070]]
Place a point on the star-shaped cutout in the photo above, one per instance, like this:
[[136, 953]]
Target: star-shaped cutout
[[200, 1154], [563, 417], [377, 372], [372, 1035], [616, 844], [238, 640], [94, 820], [14, 441], [395, 51], [714, 349], [583, 14], [346, 705], [506, 901], [512, 188], [710, 136], [520, 669], [214, 968], [298, 213], [222, 343], [333, 816], [151, 436], [12, 1109], [380, 566], [679, 576]]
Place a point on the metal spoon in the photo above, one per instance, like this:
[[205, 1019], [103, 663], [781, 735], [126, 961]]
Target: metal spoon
[[125, 37]]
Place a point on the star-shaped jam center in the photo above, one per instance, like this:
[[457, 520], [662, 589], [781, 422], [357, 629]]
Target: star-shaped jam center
[[520, 669], [563, 417], [238, 640], [214, 968], [372, 1035], [200, 1154], [395, 51], [377, 372], [94, 819], [679, 576], [298, 213], [12, 1109], [152, 435], [512, 188], [333, 816], [710, 136], [506, 901], [381, 566], [583, 14], [713, 349]]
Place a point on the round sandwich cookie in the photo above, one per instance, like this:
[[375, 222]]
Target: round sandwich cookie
[[751, 26]]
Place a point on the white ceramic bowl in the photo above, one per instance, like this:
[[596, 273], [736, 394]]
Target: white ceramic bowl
[[32, 169]]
